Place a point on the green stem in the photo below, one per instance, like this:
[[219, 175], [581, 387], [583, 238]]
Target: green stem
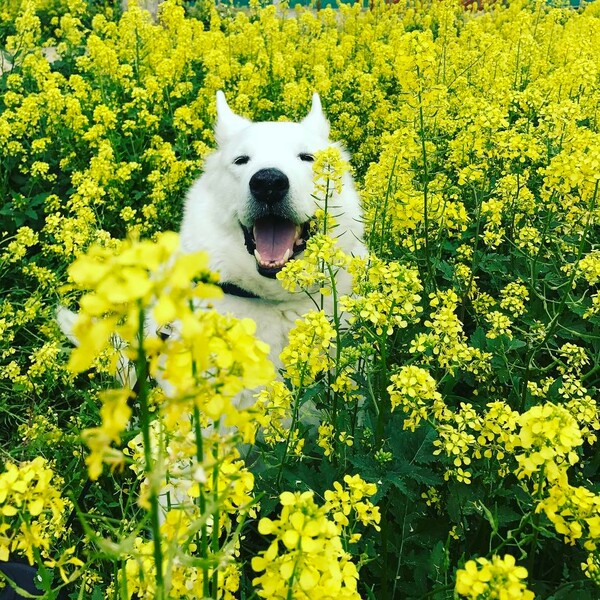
[[295, 411], [143, 393], [535, 521], [554, 322], [382, 413], [202, 503], [215, 516], [474, 257], [384, 210], [338, 344], [429, 269]]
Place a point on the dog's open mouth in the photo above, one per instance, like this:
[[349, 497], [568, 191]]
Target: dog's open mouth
[[273, 241]]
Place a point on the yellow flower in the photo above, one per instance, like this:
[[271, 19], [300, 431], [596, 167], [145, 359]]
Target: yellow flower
[[575, 514], [306, 559], [17, 248], [123, 284], [548, 435], [414, 390], [352, 499], [307, 353], [115, 413], [32, 510], [329, 167], [514, 295], [386, 295], [495, 578]]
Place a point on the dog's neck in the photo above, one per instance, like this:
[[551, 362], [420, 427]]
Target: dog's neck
[[236, 290]]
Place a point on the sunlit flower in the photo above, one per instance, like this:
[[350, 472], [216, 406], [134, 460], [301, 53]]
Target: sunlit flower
[[496, 578]]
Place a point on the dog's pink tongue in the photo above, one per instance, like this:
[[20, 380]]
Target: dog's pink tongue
[[273, 238]]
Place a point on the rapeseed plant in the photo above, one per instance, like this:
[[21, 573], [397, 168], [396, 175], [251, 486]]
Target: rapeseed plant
[[461, 374], [499, 578], [307, 558]]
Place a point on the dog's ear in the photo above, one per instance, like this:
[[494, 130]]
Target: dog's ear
[[228, 123], [315, 119]]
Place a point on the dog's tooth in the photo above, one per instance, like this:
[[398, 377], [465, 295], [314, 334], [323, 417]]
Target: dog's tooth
[[257, 256], [286, 256]]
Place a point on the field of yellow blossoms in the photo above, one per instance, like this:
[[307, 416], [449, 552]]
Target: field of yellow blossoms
[[455, 452]]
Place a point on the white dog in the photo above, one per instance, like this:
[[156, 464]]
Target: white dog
[[251, 210]]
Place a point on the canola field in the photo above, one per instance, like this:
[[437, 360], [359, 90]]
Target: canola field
[[455, 453]]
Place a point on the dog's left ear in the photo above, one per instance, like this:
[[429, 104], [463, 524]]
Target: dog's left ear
[[315, 119], [228, 123]]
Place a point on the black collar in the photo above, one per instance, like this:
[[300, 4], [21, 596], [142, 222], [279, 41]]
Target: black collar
[[235, 290]]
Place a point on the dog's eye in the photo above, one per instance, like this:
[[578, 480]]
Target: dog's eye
[[306, 157], [241, 160]]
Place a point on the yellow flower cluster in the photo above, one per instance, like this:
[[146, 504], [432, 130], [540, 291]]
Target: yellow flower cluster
[[415, 391], [231, 483], [327, 438], [446, 341], [315, 271], [514, 295], [306, 559], [151, 278], [591, 567], [547, 437], [386, 295], [275, 404], [188, 581], [307, 354], [32, 510], [329, 168], [495, 432], [206, 361], [498, 578], [122, 284], [589, 269], [499, 325], [475, 146], [115, 413], [16, 249], [42, 428], [575, 514], [186, 479], [351, 500]]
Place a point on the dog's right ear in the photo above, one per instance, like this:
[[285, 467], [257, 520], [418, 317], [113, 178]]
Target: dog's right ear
[[228, 123], [316, 119]]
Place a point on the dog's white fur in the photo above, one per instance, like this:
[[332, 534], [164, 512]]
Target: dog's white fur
[[220, 201]]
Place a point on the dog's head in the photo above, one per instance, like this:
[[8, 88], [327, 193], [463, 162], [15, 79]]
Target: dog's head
[[257, 194], [270, 167]]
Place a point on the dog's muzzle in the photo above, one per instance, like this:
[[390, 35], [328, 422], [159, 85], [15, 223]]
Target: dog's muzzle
[[273, 238]]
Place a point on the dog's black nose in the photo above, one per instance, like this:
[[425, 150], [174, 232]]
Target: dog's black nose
[[269, 185]]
